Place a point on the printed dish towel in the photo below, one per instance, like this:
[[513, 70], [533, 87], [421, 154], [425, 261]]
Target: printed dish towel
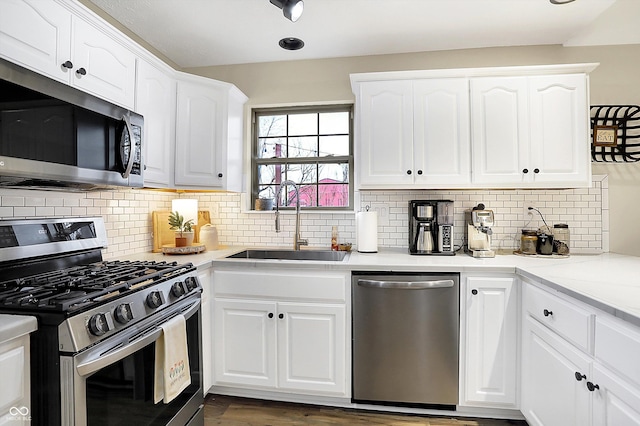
[[172, 374]]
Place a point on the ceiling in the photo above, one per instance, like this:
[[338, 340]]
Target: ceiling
[[197, 33]]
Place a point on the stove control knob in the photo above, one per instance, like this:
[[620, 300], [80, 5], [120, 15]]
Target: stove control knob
[[191, 283], [177, 289], [123, 313], [154, 299], [99, 324]]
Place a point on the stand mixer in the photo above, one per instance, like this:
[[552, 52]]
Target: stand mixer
[[477, 236]]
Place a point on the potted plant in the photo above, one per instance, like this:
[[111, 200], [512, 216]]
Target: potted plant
[[184, 229]]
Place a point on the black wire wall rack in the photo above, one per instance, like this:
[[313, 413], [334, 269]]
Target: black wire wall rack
[[615, 133]]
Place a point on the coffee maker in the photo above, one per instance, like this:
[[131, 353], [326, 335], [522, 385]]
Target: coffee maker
[[477, 235], [431, 227]]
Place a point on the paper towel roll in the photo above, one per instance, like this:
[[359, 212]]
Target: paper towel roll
[[367, 232]]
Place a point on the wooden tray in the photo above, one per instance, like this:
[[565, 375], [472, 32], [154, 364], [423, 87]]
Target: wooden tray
[[162, 235], [192, 249]]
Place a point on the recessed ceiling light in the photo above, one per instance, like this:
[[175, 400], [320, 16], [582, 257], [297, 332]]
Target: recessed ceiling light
[[291, 43]]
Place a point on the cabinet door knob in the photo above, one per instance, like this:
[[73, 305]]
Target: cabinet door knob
[[536, 170], [525, 171], [580, 376], [474, 291], [81, 71], [408, 172], [271, 316], [419, 172], [280, 316], [592, 386], [220, 175], [547, 313], [68, 64]]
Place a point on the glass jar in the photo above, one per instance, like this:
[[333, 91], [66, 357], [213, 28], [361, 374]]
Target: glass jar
[[528, 241], [561, 239]]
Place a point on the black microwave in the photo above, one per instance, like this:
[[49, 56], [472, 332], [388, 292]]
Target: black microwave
[[54, 136]]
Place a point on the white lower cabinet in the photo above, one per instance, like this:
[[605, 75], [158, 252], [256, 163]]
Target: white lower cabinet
[[489, 341], [579, 364], [551, 393], [281, 331], [15, 392]]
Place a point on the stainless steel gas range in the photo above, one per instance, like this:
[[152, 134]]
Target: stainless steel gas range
[[93, 356]]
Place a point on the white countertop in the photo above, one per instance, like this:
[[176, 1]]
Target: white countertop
[[609, 281], [14, 326]]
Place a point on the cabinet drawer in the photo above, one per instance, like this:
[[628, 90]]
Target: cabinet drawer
[[617, 345], [567, 319], [293, 285]]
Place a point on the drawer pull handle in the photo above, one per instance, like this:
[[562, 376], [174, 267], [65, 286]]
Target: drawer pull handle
[[547, 312], [81, 71], [68, 65], [271, 316], [280, 316], [579, 376], [592, 386], [474, 291]]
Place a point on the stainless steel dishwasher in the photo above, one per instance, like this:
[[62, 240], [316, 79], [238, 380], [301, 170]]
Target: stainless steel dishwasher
[[405, 339]]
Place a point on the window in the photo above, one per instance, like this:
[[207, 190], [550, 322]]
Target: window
[[311, 146]]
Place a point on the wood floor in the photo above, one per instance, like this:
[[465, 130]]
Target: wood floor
[[232, 411]]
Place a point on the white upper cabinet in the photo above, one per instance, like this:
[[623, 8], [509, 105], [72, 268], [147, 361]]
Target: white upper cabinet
[[412, 133], [559, 117], [442, 147], [531, 131], [384, 134], [515, 127], [48, 38], [500, 129], [209, 141], [156, 101]]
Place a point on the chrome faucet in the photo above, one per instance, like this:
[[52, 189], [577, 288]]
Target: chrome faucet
[[297, 241]]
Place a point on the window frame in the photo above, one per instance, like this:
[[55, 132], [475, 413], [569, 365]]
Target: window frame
[[290, 110]]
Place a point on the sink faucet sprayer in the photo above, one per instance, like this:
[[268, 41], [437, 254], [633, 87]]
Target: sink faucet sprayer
[[297, 241]]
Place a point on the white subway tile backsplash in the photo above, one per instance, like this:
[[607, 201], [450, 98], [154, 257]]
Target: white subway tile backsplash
[[127, 215]]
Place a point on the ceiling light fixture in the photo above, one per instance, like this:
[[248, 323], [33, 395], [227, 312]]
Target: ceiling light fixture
[[291, 9], [560, 1]]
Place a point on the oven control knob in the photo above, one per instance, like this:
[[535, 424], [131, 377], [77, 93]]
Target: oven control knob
[[123, 313], [98, 324], [191, 283], [177, 289], [154, 299]]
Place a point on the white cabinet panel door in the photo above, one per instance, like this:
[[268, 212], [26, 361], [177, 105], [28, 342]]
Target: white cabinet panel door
[[441, 136], [491, 342], [245, 336], [560, 147], [156, 101], [198, 135], [384, 150], [500, 135], [311, 347], [551, 393], [110, 67], [615, 402], [36, 34]]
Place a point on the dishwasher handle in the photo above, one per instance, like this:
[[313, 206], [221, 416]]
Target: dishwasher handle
[[405, 285]]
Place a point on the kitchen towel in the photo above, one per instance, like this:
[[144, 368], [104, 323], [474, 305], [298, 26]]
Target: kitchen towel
[[367, 231], [172, 373]]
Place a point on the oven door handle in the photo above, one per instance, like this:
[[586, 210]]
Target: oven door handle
[[89, 367]]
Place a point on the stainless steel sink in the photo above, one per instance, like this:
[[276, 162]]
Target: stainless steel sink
[[318, 255]]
